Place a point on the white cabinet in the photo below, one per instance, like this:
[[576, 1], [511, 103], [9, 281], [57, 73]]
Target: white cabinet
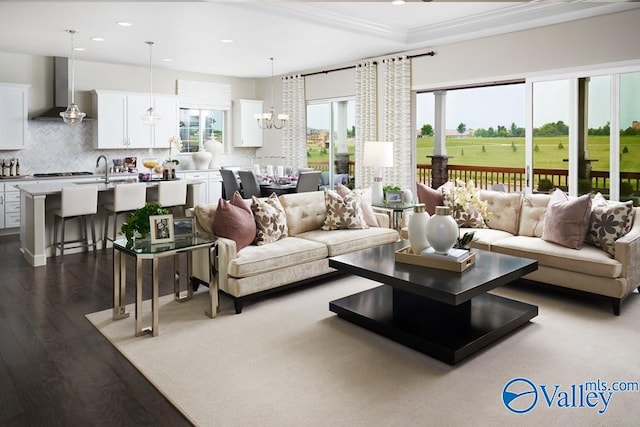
[[10, 204], [248, 133], [13, 116], [119, 120], [2, 205], [210, 187]]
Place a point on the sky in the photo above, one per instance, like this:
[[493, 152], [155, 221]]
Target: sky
[[502, 105]]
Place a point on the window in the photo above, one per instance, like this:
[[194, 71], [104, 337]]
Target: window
[[331, 136], [199, 126]]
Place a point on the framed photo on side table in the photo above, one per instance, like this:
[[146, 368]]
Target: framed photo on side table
[[183, 227], [393, 197], [161, 228]]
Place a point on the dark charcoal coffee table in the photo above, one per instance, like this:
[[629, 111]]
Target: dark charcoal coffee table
[[444, 314]]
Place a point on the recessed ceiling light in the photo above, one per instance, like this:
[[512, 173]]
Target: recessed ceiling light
[[167, 59], [124, 24], [79, 49], [97, 39], [226, 41], [397, 2]]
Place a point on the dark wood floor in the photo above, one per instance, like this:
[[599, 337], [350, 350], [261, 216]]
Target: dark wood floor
[[55, 367]]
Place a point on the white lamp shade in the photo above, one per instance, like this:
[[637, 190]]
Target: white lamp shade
[[378, 154]]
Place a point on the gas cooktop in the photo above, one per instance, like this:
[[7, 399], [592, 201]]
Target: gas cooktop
[[54, 174]]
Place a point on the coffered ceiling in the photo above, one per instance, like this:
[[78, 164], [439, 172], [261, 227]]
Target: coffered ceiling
[[300, 35]]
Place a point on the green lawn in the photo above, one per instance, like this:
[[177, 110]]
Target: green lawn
[[509, 152]]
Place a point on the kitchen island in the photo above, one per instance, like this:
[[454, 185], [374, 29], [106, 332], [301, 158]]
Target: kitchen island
[[36, 216]]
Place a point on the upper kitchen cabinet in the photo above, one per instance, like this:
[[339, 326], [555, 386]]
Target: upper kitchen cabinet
[[248, 133], [119, 120], [13, 116]]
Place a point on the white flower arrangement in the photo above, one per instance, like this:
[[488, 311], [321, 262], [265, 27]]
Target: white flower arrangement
[[175, 142], [465, 196]]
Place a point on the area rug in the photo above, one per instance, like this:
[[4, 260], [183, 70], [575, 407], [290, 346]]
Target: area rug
[[288, 361]]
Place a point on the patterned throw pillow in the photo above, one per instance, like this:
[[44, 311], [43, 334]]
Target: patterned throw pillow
[[343, 212], [271, 221], [365, 203], [466, 206], [609, 221]]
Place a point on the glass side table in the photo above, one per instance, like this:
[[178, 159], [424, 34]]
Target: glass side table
[[395, 212], [141, 250]]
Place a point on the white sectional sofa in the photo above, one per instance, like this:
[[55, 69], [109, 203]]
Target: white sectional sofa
[[295, 259], [515, 227]]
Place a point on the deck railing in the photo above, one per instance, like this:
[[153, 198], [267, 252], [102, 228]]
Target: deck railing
[[512, 179]]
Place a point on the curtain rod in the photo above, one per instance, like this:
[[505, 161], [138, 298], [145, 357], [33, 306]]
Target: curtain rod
[[430, 53]]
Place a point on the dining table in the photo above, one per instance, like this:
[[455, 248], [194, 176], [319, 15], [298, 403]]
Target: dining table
[[268, 188]]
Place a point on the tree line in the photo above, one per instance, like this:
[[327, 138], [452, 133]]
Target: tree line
[[558, 128]]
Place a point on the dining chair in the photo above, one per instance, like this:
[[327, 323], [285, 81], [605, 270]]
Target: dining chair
[[308, 181], [230, 183], [250, 185]]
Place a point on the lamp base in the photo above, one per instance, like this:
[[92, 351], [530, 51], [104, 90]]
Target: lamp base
[[377, 195]]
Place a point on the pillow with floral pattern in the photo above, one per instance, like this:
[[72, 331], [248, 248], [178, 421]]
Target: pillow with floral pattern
[[343, 212], [271, 221], [608, 222]]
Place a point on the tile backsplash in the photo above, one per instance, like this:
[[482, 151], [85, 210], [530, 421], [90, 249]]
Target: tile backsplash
[[58, 147]]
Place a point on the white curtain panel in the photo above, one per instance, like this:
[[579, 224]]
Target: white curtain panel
[[366, 117], [397, 120], [294, 134]]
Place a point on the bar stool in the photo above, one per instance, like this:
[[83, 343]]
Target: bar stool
[[171, 194], [126, 198], [76, 202]]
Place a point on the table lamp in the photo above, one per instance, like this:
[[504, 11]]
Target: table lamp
[[377, 154]]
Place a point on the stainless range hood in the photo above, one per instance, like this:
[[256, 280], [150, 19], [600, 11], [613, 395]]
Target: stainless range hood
[[60, 91]]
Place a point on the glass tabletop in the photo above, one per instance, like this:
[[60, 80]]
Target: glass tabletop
[[394, 206], [144, 246]]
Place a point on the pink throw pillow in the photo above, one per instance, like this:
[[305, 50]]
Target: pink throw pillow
[[234, 220], [430, 197], [566, 221]]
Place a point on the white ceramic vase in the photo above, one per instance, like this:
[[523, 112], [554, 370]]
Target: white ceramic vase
[[417, 229], [442, 230], [202, 158]]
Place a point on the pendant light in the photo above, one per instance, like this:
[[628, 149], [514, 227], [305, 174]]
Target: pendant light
[[72, 114], [150, 118], [271, 120]]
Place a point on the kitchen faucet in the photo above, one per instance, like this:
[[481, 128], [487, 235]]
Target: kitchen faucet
[[106, 167]]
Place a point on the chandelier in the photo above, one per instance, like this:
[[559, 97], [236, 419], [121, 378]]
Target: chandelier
[[271, 120], [150, 118], [72, 114]]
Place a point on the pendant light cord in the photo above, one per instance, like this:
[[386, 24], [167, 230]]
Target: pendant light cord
[[73, 66]]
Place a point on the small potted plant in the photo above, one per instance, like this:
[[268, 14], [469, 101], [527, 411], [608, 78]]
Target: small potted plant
[[137, 224]]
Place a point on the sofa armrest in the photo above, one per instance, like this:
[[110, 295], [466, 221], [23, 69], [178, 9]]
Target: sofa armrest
[[383, 219], [627, 252], [189, 213], [226, 252]]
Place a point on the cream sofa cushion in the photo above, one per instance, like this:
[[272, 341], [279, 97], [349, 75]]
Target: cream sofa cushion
[[252, 260], [588, 260], [340, 242], [305, 211], [503, 209], [483, 238], [534, 207]]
